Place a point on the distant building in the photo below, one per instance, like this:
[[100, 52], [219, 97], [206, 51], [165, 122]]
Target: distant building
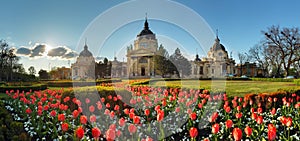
[[140, 59], [60, 73], [248, 69], [119, 69], [84, 67], [216, 64]]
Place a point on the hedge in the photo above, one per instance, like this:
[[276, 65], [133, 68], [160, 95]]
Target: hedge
[[79, 83], [297, 82], [273, 79], [35, 87]]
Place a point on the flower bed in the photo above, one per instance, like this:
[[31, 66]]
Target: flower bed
[[148, 113]]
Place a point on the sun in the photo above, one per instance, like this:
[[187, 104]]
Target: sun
[[48, 48]]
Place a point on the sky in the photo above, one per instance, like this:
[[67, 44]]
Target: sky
[[52, 33]]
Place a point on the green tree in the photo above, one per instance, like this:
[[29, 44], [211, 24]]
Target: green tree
[[183, 66], [43, 74], [31, 70], [162, 64], [8, 61]]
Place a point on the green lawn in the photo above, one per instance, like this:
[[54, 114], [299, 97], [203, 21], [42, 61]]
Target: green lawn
[[232, 88]]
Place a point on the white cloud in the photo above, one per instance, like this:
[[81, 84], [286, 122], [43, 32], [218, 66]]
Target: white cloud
[[44, 50]]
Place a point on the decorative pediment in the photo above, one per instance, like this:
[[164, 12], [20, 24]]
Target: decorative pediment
[[141, 52]]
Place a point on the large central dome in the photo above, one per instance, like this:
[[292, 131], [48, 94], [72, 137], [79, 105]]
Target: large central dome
[[146, 30]]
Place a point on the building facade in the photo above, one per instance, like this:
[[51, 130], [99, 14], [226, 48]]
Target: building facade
[[140, 56], [84, 67], [217, 64], [140, 60]]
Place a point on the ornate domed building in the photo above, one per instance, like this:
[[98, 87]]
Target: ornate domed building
[[84, 67], [217, 63], [140, 59], [140, 56]]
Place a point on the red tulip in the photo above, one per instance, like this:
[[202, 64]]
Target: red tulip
[[107, 105], [248, 131], [136, 119], [93, 118], [79, 132], [215, 128], [271, 132], [28, 111], [227, 109], [214, 117], [273, 111], [289, 122], [117, 107], [126, 111], [61, 117], [238, 115], [96, 132], [193, 116], [131, 115], [121, 121], [53, 113], [160, 115], [131, 110], [66, 99], [64, 127], [237, 134], [177, 109], [239, 108], [259, 119], [253, 116], [193, 132], [229, 123], [259, 110], [147, 112], [157, 107], [110, 135], [92, 108], [83, 119], [132, 128], [87, 100]]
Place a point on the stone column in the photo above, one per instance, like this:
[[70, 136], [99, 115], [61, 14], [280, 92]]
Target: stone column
[[149, 71]]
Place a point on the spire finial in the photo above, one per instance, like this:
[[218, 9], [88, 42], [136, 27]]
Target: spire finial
[[85, 46], [196, 50], [146, 16], [146, 22], [217, 35]]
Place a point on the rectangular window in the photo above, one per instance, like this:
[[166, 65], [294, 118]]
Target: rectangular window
[[212, 71], [201, 70]]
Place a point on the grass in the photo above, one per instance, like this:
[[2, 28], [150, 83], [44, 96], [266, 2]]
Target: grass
[[232, 88]]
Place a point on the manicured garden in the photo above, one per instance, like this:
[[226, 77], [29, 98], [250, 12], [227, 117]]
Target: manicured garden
[[159, 111]]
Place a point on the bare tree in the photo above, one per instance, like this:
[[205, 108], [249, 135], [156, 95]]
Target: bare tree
[[243, 58], [284, 43], [258, 55]]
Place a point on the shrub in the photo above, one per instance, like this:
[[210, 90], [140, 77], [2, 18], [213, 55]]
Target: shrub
[[297, 82], [35, 87], [272, 79]]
